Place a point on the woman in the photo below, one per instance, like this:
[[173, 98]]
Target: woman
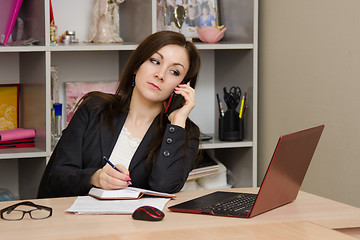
[[191, 19], [196, 6], [152, 150], [206, 19]]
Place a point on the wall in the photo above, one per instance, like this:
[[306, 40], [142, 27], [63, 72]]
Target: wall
[[309, 58]]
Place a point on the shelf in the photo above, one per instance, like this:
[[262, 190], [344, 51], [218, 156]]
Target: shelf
[[10, 153], [220, 45], [22, 49], [132, 46], [216, 144], [93, 47]]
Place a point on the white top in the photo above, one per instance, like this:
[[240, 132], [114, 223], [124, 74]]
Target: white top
[[124, 148]]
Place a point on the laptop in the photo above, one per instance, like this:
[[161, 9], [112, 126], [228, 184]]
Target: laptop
[[281, 184]]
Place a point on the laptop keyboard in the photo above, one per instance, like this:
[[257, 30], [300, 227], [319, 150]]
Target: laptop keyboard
[[234, 205]]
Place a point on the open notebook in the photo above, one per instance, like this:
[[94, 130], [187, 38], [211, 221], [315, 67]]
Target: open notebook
[[126, 193]]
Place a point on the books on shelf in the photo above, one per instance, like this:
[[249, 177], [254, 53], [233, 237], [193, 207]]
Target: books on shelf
[[8, 14], [126, 193], [25, 143], [16, 134], [209, 173], [17, 138], [208, 165]]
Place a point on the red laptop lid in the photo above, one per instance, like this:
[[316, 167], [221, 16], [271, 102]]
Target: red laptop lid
[[287, 169]]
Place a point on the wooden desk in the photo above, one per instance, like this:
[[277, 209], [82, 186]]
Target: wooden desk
[[298, 230], [309, 214]]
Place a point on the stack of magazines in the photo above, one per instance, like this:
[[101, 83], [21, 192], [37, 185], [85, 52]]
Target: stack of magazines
[[17, 138], [208, 165], [209, 173]]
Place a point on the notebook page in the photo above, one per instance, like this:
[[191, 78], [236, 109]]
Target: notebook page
[[90, 205]]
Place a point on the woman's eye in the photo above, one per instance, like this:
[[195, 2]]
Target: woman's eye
[[153, 60], [175, 72]]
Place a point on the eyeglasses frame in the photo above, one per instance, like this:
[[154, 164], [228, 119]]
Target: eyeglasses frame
[[26, 203]]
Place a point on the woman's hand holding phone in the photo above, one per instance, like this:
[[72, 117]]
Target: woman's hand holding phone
[[179, 116]]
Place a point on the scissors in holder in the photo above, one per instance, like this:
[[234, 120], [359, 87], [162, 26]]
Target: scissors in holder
[[232, 98]]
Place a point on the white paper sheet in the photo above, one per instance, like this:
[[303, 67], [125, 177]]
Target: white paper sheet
[[90, 205]]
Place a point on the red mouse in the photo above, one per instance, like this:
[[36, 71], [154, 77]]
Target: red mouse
[[148, 213]]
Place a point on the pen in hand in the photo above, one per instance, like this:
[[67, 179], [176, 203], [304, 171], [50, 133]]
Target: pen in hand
[[114, 167]]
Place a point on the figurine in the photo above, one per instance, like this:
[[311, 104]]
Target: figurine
[[105, 22], [53, 33]]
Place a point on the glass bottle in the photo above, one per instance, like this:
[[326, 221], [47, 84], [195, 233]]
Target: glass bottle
[[56, 123]]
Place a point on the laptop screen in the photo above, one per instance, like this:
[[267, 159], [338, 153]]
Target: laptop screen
[[287, 169]]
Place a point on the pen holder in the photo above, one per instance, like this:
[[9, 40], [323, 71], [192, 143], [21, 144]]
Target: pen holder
[[231, 127]]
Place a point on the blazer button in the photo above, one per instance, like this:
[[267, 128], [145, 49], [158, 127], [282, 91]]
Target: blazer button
[[169, 140], [166, 153], [171, 129]]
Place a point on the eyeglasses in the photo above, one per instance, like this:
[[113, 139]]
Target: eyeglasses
[[13, 214]]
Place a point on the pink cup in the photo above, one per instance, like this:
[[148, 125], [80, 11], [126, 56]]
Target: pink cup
[[210, 34]]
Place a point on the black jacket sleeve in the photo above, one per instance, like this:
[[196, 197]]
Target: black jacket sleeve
[[74, 159], [176, 159]]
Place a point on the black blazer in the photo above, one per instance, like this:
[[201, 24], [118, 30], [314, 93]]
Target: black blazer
[[79, 153]]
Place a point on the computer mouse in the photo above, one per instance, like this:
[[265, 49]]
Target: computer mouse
[[148, 213]]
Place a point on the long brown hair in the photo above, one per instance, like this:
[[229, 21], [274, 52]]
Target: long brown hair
[[120, 102]]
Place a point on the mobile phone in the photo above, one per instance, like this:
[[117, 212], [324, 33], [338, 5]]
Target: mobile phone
[[175, 101]]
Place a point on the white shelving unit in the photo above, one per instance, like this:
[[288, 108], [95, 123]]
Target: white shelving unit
[[231, 62]]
